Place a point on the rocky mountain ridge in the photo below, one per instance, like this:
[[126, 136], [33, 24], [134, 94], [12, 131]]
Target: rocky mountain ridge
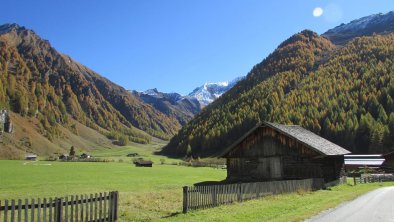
[[382, 23]]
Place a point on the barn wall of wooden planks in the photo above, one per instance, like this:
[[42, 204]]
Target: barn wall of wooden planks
[[208, 196], [78, 208], [267, 154]]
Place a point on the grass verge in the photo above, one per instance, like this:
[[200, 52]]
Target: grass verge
[[285, 207]]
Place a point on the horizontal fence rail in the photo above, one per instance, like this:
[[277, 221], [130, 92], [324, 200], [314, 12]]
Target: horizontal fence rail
[[375, 178], [78, 208], [197, 197]]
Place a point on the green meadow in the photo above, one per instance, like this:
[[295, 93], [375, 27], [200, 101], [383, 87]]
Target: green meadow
[[151, 194], [145, 193], [144, 151]]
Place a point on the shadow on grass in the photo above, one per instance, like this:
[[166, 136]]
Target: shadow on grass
[[172, 215]]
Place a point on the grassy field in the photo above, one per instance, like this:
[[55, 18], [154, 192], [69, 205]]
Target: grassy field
[[156, 193], [144, 151], [146, 193]]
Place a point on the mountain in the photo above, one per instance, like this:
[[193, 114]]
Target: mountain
[[342, 92], [208, 92], [365, 26], [182, 108], [39, 83]]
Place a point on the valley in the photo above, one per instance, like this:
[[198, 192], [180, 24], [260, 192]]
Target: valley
[[280, 134], [155, 194]]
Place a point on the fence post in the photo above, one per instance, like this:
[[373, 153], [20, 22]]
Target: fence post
[[239, 191], [215, 196], [185, 199], [116, 193], [59, 210], [354, 181], [5, 210], [110, 206]]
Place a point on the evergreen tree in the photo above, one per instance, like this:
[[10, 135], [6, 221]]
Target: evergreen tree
[[72, 151]]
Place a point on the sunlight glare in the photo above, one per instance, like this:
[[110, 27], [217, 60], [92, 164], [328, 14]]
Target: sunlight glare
[[317, 12]]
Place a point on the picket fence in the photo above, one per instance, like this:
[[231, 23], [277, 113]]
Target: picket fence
[[196, 197], [83, 208]]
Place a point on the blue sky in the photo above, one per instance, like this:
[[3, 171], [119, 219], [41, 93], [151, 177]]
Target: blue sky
[[177, 45]]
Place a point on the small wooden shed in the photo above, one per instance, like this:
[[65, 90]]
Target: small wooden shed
[[31, 157], [272, 151], [85, 156], [143, 163], [64, 157]]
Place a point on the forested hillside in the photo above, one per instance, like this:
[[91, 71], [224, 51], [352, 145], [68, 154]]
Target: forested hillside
[[38, 82], [344, 94]]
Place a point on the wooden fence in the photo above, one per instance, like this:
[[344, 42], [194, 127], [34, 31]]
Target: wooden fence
[[372, 178], [97, 207], [213, 195]]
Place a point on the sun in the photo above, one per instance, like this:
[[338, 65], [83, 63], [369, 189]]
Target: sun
[[317, 12]]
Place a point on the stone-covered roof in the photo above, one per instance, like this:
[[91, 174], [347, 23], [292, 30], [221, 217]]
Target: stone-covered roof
[[300, 134]]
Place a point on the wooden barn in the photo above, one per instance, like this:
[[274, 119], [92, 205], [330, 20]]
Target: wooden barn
[[143, 163], [389, 162], [273, 151], [64, 157]]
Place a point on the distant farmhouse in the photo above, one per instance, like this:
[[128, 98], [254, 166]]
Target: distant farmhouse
[[5, 122], [31, 157], [64, 157], [143, 163], [273, 151], [85, 156]]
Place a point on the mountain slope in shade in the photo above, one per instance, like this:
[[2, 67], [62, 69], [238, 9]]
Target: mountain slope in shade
[[208, 92], [38, 82], [344, 94], [182, 108], [366, 26]]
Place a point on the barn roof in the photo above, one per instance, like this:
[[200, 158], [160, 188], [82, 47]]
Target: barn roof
[[144, 162], [389, 153], [300, 134], [364, 160], [30, 156]]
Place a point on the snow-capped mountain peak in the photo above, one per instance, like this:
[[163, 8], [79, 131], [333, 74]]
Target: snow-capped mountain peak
[[151, 92], [363, 23], [378, 23], [204, 94], [208, 92]]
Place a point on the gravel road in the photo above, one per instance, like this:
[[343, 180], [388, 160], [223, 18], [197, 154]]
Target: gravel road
[[375, 206]]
